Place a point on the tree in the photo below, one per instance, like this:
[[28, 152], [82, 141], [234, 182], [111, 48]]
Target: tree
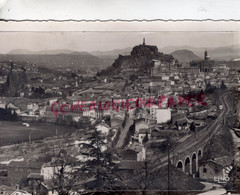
[[65, 176], [14, 116], [145, 139], [192, 127], [133, 78], [144, 176], [223, 86], [176, 124], [99, 167]]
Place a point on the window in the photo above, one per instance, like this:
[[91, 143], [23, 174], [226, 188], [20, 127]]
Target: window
[[204, 170]]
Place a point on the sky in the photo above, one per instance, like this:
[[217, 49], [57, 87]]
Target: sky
[[106, 41]]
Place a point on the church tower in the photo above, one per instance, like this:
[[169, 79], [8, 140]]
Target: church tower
[[143, 41], [206, 57]]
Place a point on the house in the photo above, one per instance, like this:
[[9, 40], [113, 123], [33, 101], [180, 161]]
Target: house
[[32, 106], [42, 111], [89, 113], [142, 134], [156, 63], [49, 170], [7, 190], [2, 104], [140, 123], [216, 167], [153, 111], [156, 134], [13, 108], [177, 116], [129, 160], [103, 128], [163, 115], [141, 155], [182, 124], [116, 121], [34, 183], [18, 171], [129, 155]]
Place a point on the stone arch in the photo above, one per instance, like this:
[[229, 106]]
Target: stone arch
[[180, 165], [188, 165], [194, 163]]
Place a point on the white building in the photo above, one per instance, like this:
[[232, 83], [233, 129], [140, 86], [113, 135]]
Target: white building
[[103, 128], [163, 115], [141, 156], [49, 170], [153, 112]]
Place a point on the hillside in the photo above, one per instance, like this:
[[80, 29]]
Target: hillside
[[140, 58], [215, 53], [159, 180], [46, 52], [74, 61], [185, 56]]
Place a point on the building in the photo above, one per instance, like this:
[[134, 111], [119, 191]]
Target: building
[[205, 65], [141, 155], [143, 133], [153, 112], [215, 168], [140, 123], [18, 171], [163, 115], [103, 128]]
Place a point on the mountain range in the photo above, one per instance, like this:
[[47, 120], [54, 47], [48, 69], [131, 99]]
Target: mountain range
[[58, 59], [98, 60], [217, 53]]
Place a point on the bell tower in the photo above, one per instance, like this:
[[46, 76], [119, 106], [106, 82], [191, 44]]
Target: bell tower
[[206, 57]]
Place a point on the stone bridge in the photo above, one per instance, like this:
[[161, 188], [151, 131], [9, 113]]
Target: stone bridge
[[188, 161], [186, 155]]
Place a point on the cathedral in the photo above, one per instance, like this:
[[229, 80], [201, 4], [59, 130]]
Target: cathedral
[[205, 65]]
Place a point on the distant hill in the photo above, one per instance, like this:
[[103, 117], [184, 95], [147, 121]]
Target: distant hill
[[45, 52], [215, 53], [114, 53], [74, 61], [185, 56], [20, 51]]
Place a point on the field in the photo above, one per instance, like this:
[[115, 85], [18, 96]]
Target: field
[[16, 132]]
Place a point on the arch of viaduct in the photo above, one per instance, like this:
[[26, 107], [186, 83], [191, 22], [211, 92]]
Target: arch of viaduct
[[188, 161]]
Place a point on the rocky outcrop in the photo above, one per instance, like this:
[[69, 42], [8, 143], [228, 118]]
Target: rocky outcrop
[[140, 58]]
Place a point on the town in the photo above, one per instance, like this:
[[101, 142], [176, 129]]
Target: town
[[146, 122]]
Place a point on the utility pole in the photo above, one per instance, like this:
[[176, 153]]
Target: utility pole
[[30, 136], [56, 126], [168, 145]]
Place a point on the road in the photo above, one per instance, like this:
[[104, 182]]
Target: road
[[204, 135], [124, 132], [212, 188]]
